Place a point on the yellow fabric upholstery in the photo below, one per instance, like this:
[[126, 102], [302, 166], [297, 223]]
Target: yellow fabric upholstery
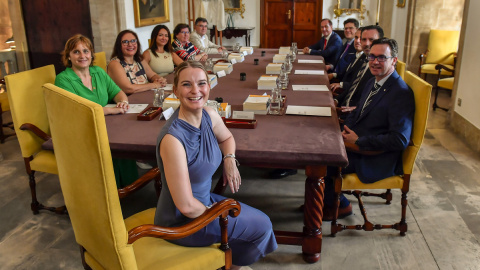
[[446, 83], [100, 60], [4, 101], [442, 46], [92, 200], [27, 105], [401, 67], [422, 91], [44, 161]]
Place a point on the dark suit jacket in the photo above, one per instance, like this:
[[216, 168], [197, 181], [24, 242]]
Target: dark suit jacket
[[385, 125], [333, 50], [351, 72], [346, 57], [358, 91]]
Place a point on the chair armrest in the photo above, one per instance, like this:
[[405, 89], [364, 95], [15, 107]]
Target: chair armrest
[[139, 183], [351, 147], [439, 67], [35, 130], [224, 208]]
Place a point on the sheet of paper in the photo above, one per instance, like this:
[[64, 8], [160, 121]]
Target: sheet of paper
[[309, 72], [243, 115], [233, 61], [245, 52], [309, 61], [309, 110], [300, 52], [167, 113], [268, 78], [317, 87], [134, 108], [168, 87], [221, 73]]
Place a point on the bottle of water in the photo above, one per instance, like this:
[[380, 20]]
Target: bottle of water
[[158, 97]]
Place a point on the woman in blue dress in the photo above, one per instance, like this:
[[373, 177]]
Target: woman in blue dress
[[191, 146]]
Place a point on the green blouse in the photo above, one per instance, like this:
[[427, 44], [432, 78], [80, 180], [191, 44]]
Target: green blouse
[[104, 88]]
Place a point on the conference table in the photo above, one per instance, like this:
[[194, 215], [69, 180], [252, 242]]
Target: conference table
[[287, 141]]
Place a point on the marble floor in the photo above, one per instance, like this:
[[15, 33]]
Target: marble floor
[[443, 214]]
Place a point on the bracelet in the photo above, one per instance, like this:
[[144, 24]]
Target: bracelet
[[231, 156]]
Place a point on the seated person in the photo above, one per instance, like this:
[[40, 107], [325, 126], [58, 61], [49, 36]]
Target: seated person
[[128, 69], [200, 39], [381, 122], [182, 45], [348, 51], [329, 46], [160, 56], [191, 146], [93, 83]]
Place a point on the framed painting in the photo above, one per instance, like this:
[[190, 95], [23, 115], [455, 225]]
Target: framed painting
[[149, 12], [401, 3]]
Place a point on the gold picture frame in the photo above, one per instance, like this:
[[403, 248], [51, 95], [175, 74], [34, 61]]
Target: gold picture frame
[[150, 12], [401, 3]]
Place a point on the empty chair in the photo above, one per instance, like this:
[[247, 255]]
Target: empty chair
[[106, 240], [350, 182], [443, 83], [442, 49]]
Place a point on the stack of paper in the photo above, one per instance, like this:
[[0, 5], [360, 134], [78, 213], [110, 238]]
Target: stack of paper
[[171, 102], [274, 68], [249, 50], [267, 82], [213, 80], [284, 50], [257, 104], [239, 57], [279, 58], [309, 110], [227, 67]]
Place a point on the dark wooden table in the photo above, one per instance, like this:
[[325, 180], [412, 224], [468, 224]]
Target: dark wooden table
[[288, 141], [231, 32]]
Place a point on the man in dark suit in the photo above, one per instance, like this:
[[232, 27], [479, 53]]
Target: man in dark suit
[[329, 46], [382, 122], [354, 84], [348, 51]]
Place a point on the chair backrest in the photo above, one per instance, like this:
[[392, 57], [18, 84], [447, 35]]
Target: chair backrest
[[421, 91], [100, 60], [86, 177], [401, 67], [27, 104], [442, 44], [8, 63]]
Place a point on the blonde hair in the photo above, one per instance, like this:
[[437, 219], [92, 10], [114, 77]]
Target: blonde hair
[[185, 65]]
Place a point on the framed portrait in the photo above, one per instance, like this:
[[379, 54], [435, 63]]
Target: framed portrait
[[149, 12], [401, 3]]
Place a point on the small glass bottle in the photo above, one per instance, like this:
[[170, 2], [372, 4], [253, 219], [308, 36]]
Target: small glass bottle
[[158, 97]]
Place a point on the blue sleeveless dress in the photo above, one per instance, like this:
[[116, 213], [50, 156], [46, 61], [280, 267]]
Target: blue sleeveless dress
[[250, 235]]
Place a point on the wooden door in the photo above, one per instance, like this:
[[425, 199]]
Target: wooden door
[[303, 26], [49, 24]]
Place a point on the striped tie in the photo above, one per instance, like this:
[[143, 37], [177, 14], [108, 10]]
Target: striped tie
[[372, 93], [355, 83]]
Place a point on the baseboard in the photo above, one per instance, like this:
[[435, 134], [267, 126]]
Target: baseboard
[[465, 129]]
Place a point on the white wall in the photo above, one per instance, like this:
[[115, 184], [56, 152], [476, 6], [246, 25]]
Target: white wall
[[370, 14], [468, 79], [399, 27], [145, 31]]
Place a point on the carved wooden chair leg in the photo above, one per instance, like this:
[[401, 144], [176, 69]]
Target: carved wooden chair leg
[[36, 206], [82, 254], [387, 196], [367, 225], [219, 187], [402, 225]]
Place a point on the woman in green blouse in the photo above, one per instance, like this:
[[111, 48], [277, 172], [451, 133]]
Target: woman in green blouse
[[93, 83]]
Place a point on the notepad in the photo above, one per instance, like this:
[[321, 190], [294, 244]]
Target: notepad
[[284, 50], [274, 68], [309, 72], [134, 108], [309, 61], [309, 110], [317, 87], [267, 82]]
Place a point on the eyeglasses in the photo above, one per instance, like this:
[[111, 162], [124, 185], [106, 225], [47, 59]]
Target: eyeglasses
[[185, 32], [380, 58], [126, 42], [202, 25]]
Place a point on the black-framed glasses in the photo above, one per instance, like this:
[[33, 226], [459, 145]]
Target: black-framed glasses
[[126, 42], [380, 58]]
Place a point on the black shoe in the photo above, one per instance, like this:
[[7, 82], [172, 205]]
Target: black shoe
[[282, 173]]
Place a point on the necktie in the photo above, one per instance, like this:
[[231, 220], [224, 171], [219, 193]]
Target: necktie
[[373, 92], [325, 44], [355, 83], [346, 49]]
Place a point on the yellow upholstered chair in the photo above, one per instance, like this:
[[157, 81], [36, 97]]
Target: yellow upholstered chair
[[443, 83], [422, 91], [107, 240], [100, 60], [442, 48], [31, 125], [400, 68], [4, 107]]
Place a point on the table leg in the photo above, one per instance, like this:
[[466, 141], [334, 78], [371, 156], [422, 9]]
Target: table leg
[[313, 213]]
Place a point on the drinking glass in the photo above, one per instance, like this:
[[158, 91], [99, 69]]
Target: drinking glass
[[209, 65], [293, 53], [225, 54], [275, 102], [294, 46], [288, 63], [158, 97], [236, 47]]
